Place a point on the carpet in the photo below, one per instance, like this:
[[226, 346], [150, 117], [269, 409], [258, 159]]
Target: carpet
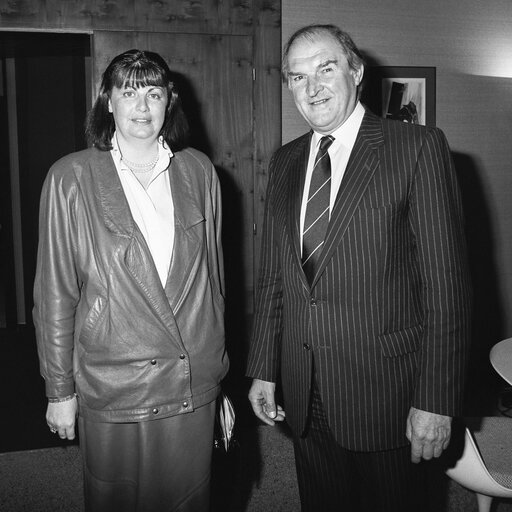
[[258, 476]]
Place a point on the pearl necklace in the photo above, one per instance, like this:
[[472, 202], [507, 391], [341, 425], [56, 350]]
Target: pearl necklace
[[141, 168]]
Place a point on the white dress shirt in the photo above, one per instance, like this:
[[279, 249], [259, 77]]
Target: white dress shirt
[[339, 153], [152, 208]]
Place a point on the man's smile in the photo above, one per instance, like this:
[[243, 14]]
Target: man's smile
[[319, 102]]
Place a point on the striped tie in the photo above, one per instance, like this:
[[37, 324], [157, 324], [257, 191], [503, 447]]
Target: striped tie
[[317, 209]]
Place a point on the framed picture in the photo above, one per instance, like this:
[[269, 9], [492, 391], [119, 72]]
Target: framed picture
[[402, 92]]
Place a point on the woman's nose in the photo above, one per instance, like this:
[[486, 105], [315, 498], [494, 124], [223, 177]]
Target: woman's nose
[[142, 104]]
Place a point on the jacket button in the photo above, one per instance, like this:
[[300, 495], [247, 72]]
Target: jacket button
[[155, 411], [153, 361], [185, 404], [312, 302], [306, 346], [182, 356]]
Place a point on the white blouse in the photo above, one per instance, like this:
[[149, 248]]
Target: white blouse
[[152, 207]]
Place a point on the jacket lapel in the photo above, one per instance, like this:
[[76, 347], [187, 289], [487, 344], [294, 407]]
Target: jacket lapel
[[186, 216], [362, 165], [296, 174], [118, 219], [116, 211]]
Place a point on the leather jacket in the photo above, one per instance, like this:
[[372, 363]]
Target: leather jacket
[[106, 328]]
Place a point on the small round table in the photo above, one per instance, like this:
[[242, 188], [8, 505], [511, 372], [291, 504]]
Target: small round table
[[501, 359]]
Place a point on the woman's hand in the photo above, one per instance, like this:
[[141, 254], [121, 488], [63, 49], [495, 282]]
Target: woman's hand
[[61, 417]]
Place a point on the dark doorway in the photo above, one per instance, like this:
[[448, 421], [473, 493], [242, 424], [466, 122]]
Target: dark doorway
[[43, 108], [44, 89]]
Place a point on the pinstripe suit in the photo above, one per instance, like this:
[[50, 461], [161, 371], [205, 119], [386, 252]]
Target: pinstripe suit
[[386, 318]]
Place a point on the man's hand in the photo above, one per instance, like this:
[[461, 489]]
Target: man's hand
[[428, 433], [61, 417], [261, 396]]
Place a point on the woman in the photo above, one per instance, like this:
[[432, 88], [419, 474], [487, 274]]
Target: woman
[[129, 297]]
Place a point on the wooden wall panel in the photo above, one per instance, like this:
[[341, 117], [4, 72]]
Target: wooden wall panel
[[90, 14], [267, 114], [190, 16], [202, 16], [21, 14]]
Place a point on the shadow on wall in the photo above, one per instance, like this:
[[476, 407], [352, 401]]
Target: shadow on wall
[[236, 321], [488, 322], [483, 385]]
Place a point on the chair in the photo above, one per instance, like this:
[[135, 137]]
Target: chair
[[485, 466]]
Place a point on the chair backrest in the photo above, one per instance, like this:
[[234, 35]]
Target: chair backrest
[[486, 463], [494, 442]]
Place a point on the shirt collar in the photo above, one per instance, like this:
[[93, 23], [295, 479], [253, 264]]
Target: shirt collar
[[346, 133]]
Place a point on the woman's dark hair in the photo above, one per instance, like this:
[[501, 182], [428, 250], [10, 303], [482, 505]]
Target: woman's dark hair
[[136, 68]]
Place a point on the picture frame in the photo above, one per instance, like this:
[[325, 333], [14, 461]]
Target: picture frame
[[406, 93]]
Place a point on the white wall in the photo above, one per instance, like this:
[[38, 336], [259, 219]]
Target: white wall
[[470, 44]]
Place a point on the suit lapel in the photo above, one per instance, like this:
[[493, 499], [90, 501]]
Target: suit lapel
[[362, 165], [296, 175]]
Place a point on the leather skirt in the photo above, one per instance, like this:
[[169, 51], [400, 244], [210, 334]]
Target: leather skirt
[[152, 466]]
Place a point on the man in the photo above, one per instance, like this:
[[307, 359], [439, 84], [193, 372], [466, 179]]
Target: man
[[365, 321]]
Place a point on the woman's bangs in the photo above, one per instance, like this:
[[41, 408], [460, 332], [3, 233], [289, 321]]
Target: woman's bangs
[[140, 77]]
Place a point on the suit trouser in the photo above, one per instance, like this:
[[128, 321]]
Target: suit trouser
[[152, 466], [332, 478]]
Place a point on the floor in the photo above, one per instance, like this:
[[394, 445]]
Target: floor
[[261, 478], [41, 473], [23, 401]]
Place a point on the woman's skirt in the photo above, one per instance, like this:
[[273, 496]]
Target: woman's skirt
[[152, 466]]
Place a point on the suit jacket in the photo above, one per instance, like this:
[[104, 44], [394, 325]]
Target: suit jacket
[[106, 327], [386, 320]]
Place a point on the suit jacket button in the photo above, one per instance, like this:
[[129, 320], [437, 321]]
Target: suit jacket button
[[306, 346], [153, 361], [312, 302], [155, 411], [182, 356], [185, 404]]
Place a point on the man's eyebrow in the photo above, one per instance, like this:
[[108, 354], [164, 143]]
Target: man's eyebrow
[[320, 66], [327, 62]]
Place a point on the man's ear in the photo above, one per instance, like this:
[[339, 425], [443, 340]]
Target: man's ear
[[358, 75]]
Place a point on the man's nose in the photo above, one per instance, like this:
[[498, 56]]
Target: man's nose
[[313, 86]]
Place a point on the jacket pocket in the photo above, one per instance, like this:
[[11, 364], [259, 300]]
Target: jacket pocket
[[92, 320], [404, 341]]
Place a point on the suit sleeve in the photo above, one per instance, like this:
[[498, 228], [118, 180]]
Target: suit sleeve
[[265, 346], [437, 222]]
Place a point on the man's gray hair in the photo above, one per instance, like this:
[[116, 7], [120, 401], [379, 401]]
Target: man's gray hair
[[310, 32]]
